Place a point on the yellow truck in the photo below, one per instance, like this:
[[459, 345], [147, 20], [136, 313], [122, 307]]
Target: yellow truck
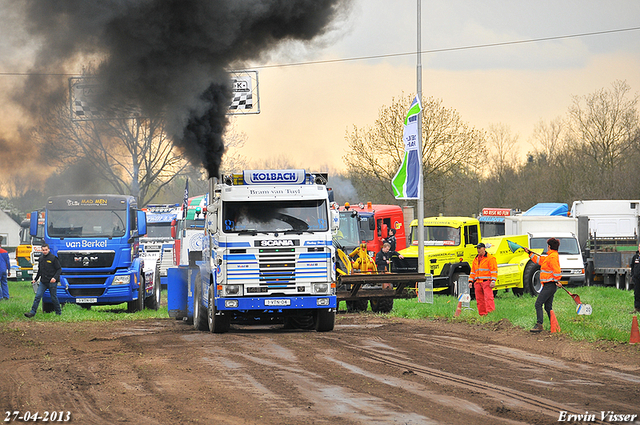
[[449, 250]]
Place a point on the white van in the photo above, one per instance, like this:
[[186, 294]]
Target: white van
[[569, 253]]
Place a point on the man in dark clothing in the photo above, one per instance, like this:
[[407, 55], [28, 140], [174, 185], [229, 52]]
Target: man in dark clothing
[[49, 273], [635, 279], [384, 256]]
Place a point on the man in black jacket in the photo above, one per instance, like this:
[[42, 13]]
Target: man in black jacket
[[635, 279], [49, 273]]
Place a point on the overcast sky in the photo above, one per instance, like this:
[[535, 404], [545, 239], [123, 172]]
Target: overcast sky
[[306, 110]]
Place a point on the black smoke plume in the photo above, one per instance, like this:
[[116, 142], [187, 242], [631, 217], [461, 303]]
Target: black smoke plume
[[166, 56]]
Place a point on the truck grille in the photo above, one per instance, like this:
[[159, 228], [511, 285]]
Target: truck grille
[[86, 259], [277, 266]]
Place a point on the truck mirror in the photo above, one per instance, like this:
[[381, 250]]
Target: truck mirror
[[335, 220], [33, 223], [174, 223], [385, 231], [212, 221], [142, 223]]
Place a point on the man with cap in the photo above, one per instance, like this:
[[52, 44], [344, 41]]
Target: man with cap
[[484, 273]]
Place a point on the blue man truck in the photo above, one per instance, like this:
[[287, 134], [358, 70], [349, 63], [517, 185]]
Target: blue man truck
[[96, 239], [267, 255]]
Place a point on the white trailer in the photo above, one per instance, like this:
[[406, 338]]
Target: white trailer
[[608, 235]]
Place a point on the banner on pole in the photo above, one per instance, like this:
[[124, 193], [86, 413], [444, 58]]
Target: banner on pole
[[406, 183]]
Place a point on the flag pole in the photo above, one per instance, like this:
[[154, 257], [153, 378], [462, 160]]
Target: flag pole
[[420, 178]]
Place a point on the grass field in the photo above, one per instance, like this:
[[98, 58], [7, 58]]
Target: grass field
[[610, 321], [22, 297]]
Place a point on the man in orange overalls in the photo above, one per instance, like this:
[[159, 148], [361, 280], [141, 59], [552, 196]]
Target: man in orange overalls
[[550, 274], [484, 273]]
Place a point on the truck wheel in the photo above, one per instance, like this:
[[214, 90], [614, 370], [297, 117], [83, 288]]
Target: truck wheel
[[153, 302], [217, 324], [325, 320], [381, 305], [531, 270], [357, 306], [199, 318], [47, 307], [137, 305]]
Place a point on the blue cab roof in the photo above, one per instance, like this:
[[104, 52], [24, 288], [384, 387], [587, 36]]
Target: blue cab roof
[[548, 208]]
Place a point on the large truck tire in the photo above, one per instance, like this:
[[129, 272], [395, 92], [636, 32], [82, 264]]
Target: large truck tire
[[529, 276], [137, 305], [199, 317], [357, 306], [217, 324], [381, 305], [325, 320], [153, 302]]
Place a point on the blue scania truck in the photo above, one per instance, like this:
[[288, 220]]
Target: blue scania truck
[[267, 255], [96, 239]]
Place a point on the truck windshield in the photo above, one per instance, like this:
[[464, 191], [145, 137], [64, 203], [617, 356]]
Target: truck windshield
[[437, 236], [568, 246], [25, 237], [159, 230], [86, 223], [348, 235], [275, 216]]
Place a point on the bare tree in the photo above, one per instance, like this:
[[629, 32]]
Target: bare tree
[[134, 155], [603, 133], [449, 147]]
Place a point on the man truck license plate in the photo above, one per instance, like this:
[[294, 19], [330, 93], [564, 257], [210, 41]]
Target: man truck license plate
[[277, 302], [86, 300]]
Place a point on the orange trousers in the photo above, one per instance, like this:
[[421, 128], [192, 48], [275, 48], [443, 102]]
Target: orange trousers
[[484, 297]]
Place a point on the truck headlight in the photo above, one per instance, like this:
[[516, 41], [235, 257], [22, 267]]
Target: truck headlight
[[322, 301], [233, 290], [319, 288], [122, 280]]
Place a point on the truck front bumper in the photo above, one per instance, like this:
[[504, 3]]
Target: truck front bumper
[[84, 292], [276, 303]]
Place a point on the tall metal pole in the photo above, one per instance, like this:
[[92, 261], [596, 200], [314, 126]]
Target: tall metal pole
[[420, 182]]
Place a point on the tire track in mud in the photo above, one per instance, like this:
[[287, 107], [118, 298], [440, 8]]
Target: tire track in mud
[[509, 396]]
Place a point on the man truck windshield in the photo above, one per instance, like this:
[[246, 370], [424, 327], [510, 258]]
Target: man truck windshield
[[86, 223], [276, 216]]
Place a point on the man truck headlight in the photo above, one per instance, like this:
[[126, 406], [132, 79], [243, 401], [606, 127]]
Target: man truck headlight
[[122, 280]]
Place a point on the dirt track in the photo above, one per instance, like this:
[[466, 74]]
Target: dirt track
[[371, 369]]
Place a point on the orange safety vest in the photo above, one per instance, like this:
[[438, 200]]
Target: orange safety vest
[[549, 266], [484, 268]]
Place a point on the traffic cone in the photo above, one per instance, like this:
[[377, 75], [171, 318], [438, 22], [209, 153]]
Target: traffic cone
[[635, 333], [458, 309], [555, 327]]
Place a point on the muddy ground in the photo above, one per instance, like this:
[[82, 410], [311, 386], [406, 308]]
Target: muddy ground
[[370, 370]]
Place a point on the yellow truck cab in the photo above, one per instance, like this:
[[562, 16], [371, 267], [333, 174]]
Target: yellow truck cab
[[450, 247]]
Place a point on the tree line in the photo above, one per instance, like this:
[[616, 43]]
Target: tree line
[[593, 152]]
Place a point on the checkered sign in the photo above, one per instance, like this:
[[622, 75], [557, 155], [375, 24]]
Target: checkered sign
[[85, 106], [245, 100]]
